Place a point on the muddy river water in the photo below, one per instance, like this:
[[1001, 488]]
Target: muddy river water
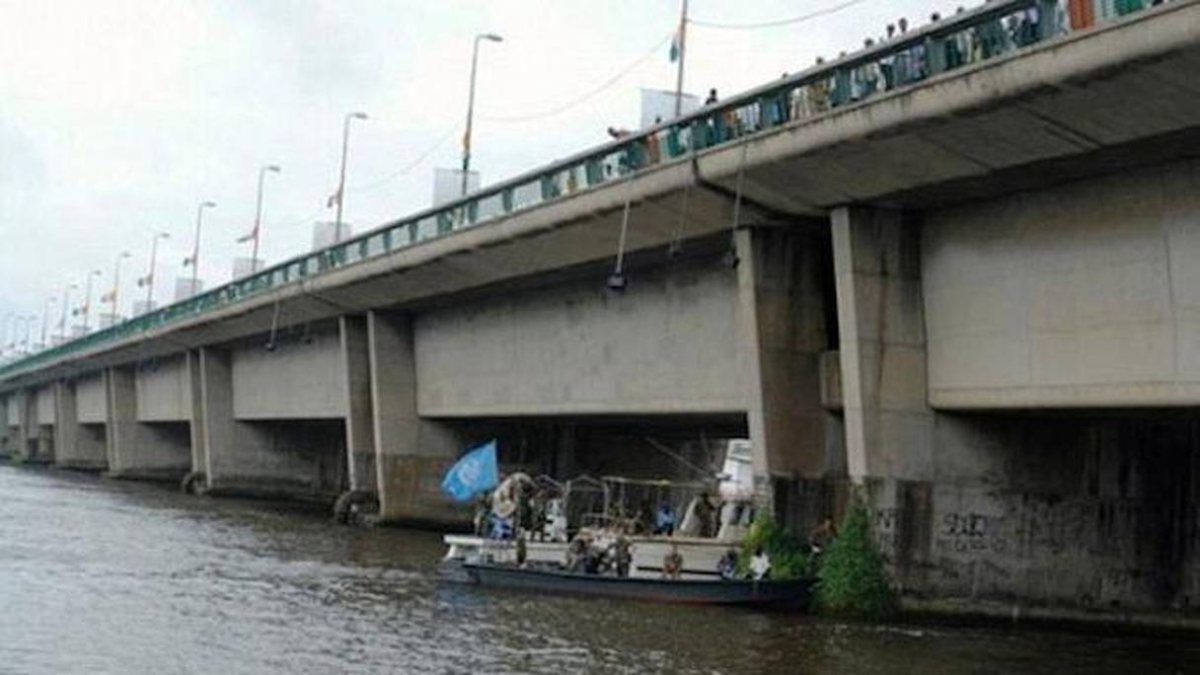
[[100, 576]]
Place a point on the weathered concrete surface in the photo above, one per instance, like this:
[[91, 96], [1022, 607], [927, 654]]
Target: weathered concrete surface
[[1092, 511], [670, 343], [1086, 294], [782, 298], [301, 378], [888, 424], [91, 399], [360, 424], [412, 453], [137, 450], [77, 445], [164, 391], [302, 459]]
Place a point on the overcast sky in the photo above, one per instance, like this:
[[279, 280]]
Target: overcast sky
[[118, 116]]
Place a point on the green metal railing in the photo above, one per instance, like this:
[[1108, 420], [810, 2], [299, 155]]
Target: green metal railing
[[969, 37]]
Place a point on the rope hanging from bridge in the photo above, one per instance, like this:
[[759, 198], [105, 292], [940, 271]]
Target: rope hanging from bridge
[[732, 257]]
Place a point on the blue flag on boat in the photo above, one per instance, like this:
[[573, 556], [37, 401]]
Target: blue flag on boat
[[475, 472]]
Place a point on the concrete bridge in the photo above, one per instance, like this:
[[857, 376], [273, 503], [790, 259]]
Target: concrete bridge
[[961, 268]]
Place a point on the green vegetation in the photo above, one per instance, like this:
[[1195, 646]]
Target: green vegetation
[[851, 581], [789, 556]]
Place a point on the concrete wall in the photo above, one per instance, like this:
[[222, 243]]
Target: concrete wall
[[299, 458], [90, 400], [670, 343], [1086, 294], [1076, 511], [77, 445], [302, 378], [163, 391], [151, 451]]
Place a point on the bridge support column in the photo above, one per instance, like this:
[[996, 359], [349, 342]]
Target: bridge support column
[[77, 446], [780, 282], [411, 453], [360, 431], [137, 450], [262, 458], [888, 422]]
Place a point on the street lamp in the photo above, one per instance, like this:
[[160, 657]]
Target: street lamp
[[66, 304], [87, 302], [5, 325], [46, 320], [29, 320], [194, 259], [148, 280], [114, 295], [257, 233], [466, 162], [340, 196]]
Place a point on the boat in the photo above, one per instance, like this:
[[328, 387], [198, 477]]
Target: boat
[[792, 593]]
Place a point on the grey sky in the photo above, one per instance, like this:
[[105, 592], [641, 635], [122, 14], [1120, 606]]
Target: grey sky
[[118, 117]]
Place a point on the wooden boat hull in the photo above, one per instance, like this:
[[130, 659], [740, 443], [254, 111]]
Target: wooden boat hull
[[792, 593]]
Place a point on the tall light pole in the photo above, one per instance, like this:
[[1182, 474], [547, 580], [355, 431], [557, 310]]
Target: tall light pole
[[194, 259], [66, 304], [46, 320], [29, 320], [340, 195], [87, 301], [681, 41], [466, 162], [257, 233], [8, 326], [113, 296], [148, 280]]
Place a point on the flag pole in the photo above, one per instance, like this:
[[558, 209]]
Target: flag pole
[[682, 56]]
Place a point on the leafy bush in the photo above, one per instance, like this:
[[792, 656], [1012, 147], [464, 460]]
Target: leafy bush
[[788, 555], [851, 580]]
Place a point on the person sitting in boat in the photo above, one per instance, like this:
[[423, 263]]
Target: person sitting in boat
[[672, 565], [821, 535], [483, 514], [760, 565], [555, 527], [664, 519], [622, 552], [577, 552], [502, 528], [727, 565]]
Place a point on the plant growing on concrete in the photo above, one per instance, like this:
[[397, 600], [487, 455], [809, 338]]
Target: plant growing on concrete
[[851, 581], [788, 555]]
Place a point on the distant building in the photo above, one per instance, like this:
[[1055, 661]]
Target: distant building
[[186, 287], [447, 185], [326, 234], [244, 267], [659, 104]]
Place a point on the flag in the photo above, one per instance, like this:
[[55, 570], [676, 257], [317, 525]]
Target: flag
[[189, 261], [145, 281], [475, 472], [108, 297], [334, 199], [676, 45], [248, 237]]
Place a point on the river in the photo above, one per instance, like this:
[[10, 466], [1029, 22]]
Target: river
[[100, 576]]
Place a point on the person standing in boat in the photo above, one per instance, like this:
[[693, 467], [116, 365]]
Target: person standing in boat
[[664, 519], [760, 565]]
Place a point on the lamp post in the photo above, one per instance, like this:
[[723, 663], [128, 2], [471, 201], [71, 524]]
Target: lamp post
[[256, 235], [114, 294], [29, 320], [66, 304], [194, 259], [340, 195], [466, 160], [8, 326], [46, 320], [148, 280], [87, 301]]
